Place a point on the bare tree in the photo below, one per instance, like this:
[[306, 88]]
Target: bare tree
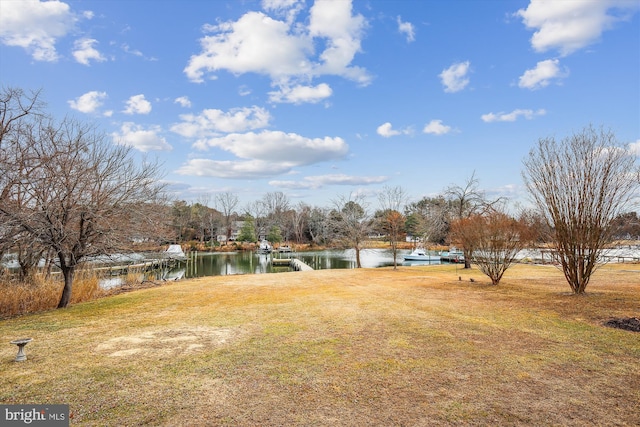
[[18, 112], [15, 106], [181, 216], [428, 219], [392, 201], [275, 205], [319, 225], [199, 219], [299, 221], [626, 226], [580, 184], [227, 203], [351, 223], [465, 201], [496, 239], [81, 195], [211, 218]]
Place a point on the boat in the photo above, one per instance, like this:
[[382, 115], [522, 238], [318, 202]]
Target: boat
[[265, 247], [452, 255], [421, 254], [174, 252], [284, 249]]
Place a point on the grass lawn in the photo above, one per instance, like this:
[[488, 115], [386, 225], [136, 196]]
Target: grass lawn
[[411, 347]]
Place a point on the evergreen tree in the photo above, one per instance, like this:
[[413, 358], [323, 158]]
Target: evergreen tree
[[247, 232], [275, 235]]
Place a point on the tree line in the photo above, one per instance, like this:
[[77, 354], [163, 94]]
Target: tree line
[[68, 193]]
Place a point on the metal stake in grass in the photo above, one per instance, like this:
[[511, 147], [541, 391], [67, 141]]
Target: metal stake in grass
[[21, 357]]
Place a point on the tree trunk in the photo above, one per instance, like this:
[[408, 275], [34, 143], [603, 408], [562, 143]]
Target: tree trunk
[[467, 258], [358, 264], [65, 298]]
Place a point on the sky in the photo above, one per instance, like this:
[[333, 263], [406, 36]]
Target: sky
[[322, 99]]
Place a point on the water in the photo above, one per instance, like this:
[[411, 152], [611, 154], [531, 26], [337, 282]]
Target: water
[[220, 264], [202, 264]]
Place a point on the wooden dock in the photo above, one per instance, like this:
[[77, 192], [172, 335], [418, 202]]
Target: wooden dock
[[294, 263], [298, 265], [117, 270]]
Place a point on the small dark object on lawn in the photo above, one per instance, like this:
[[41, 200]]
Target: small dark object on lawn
[[628, 324], [472, 279]]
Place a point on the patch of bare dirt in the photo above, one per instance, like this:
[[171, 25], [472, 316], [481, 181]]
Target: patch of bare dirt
[[626, 323], [167, 342]]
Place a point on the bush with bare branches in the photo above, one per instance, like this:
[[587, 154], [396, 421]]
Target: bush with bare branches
[[496, 239], [581, 184]]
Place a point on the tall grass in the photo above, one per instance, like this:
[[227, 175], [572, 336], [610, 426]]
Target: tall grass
[[86, 286], [133, 277], [40, 293]]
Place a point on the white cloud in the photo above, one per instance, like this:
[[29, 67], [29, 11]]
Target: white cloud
[[249, 169], [634, 148], [300, 94], [137, 105], [183, 101], [287, 8], [281, 4], [542, 75], [90, 102], [571, 25], [284, 50], [279, 147], [319, 181], [455, 77], [512, 116], [264, 154], [407, 29], [508, 191], [435, 127], [212, 122], [343, 32], [84, 51], [131, 51], [140, 138], [35, 26], [256, 43], [386, 130]]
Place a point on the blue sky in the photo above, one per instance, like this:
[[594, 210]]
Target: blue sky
[[319, 99]]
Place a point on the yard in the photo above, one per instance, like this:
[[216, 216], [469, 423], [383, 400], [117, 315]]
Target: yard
[[418, 346]]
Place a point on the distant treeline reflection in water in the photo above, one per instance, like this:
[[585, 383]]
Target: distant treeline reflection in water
[[202, 264]]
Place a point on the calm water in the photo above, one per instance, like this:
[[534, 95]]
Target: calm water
[[203, 264], [218, 264]]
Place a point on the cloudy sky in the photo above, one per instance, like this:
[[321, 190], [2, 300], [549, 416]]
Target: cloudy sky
[[322, 98]]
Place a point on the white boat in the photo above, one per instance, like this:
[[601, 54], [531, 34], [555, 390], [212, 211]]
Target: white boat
[[265, 247], [175, 252], [421, 254], [452, 255]]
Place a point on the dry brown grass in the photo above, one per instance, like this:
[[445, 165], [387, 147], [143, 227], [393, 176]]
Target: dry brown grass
[[40, 294], [381, 347]]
